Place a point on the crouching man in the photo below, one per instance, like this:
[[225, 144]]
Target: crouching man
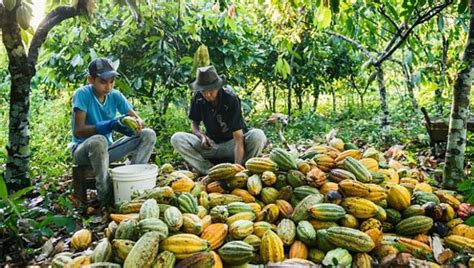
[[94, 118], [226, 138]]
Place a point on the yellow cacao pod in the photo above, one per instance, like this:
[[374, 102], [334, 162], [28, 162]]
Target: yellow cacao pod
[[81, 239], [183, 184], [271, 247]]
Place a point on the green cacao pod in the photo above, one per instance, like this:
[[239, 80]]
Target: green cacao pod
[[414, 225], [360, 171], [9, 4], [286, 230], [102, 252], [153, 225], [350, 239], [306, 233], [236, 252], [23, 15], [283, 159], [327, 212], [173, 218], [187, 203], [165, 259], [301, 210], [149, 209], [144, 251], [219, 214]]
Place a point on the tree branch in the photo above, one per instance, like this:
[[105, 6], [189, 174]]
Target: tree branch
[[354, 84], [393, 46], [420, 42], [377, 24], [363, 49], [52, 19], [403, 66], [382, 11], [2, 15]]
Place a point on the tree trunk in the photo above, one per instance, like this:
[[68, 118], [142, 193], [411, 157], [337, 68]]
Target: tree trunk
[[18, 127], [410, 86], [289, 96], [22, 68], [333, 93], [384, 115], [274, 99], [299, 97], [454, 169], [316, 97], [361, 98], [268, 103], [442, 79]]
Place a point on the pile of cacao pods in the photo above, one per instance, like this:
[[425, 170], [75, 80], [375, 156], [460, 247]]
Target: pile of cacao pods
[[332, 204]]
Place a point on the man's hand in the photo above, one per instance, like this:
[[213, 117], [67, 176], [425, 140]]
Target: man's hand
[[141, 124], [206, 142], [132, 123], [465, 210]]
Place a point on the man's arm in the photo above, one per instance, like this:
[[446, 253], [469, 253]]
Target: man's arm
[[196, 129], [239, 146], [81, 130], [206, 143]]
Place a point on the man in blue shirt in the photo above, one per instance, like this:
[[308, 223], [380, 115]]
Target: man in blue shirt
[[95, 108]]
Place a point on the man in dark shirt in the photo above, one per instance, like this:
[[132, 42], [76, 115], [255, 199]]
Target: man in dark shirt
[[227, 137]]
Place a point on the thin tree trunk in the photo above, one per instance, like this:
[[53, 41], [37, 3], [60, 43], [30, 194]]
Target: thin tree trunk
[[299, 97], [454, 169], [290, 86], [316, 97], [274, 99], [288, 99], [442, 80], [268, 103], [165, 103], [410, 85], [361, 98], [384, 115], [333, 93], [152, 88]]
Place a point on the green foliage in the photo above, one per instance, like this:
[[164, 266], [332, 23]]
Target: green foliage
[[467, 188], [28, 220], [270, 52]]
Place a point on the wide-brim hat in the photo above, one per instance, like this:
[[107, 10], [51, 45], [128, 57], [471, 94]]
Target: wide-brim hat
[[207, 79]]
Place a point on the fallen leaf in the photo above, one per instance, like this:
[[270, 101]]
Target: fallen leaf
[[35, 201]]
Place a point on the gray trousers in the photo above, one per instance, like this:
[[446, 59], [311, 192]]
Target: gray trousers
[[189, 147], [96, 152]]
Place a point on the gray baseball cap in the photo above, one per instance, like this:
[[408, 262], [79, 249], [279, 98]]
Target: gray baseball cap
[[103, 68]]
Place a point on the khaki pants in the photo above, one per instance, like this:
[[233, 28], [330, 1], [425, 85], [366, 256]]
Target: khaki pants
[[189, 147]]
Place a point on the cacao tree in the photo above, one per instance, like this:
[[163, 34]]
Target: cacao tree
[[457, 133], [15, 16], [407, 71], [399, 25]]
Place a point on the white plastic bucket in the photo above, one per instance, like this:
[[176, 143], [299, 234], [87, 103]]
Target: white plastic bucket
[[129, 178]]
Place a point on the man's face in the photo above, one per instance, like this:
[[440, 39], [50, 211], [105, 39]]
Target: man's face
[[210, 95], [102, 86]]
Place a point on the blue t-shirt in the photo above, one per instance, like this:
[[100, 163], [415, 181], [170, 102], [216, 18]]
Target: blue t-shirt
[[85, 100]]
